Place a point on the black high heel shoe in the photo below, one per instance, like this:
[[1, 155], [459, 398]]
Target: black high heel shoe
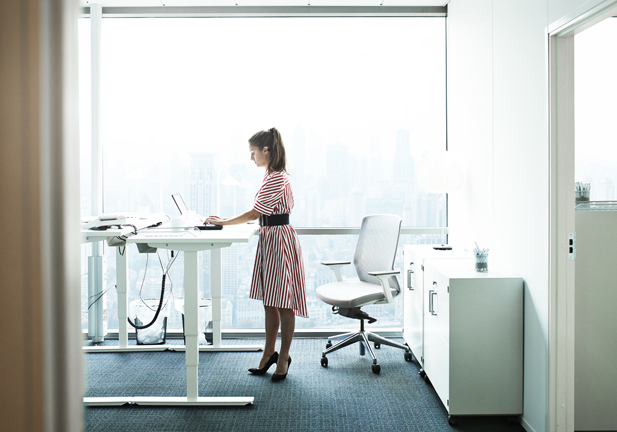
[[276, 377], [273, 359]]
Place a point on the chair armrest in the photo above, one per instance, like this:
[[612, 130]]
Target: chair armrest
[[383, 277], [385, 273], [336, 268]]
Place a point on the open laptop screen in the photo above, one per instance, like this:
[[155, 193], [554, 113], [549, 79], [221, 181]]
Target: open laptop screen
[[180, 203]]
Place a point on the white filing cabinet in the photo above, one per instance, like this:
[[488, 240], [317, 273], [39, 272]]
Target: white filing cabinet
[[595, 321], [414, 257], [473, 338]]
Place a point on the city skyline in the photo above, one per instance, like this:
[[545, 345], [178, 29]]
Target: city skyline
[[393, 190]]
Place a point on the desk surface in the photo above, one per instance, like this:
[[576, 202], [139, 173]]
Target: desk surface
[[174, 236], [90, 235]]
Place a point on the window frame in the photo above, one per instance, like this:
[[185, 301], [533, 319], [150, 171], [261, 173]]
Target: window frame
[[293, 11]]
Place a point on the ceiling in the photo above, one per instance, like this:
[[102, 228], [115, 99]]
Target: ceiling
[[350, 3]]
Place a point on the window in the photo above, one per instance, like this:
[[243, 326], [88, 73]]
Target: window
[[595, 112], [360, 103]]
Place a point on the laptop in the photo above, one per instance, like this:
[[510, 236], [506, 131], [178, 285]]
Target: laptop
[[184, 211]]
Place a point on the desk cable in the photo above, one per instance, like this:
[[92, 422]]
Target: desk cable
[[160, 305]]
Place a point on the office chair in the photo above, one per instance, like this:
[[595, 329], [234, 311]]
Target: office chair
[[377, 284]]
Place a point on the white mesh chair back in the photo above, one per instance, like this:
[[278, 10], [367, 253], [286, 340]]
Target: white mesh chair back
[[376, 249]]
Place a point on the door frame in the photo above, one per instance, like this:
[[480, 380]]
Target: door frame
[[562, 214]]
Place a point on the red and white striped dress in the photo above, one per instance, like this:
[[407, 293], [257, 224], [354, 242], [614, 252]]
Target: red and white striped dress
[[278, 274]]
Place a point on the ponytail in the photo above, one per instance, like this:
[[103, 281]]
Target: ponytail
[[271, 139]]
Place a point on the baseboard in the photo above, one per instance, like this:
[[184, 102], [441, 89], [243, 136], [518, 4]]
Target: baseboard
[[259, 333], [526, 425]]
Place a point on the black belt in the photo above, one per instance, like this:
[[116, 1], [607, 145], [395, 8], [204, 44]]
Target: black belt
[[273, 220]]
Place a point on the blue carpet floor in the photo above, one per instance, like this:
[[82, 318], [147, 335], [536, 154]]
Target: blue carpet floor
[[346, 396]]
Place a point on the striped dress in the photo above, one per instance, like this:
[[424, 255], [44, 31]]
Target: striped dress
[[278, 274]]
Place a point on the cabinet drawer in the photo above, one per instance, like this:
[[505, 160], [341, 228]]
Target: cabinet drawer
[[437, 363], [413, 321], [437, 302]]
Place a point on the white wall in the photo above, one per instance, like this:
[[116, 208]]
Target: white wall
[[499, 124], [470, 130], [521, 166], [498, 115]]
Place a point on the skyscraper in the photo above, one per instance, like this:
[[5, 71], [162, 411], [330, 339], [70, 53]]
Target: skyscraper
[[200, 188], [403, 166]]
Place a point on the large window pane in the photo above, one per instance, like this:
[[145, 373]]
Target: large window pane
[[360, 103], [595, 71]]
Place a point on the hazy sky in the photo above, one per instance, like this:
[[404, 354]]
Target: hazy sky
[[209, 84], [596, 98]]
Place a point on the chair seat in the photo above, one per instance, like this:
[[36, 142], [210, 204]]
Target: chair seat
[[351, 294]]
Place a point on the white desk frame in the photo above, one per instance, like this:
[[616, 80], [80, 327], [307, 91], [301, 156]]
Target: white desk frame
[[95, 284], [190, 244], [95, 287]]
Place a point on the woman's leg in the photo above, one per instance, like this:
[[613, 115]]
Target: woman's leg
[[272, 329], [288, 323]]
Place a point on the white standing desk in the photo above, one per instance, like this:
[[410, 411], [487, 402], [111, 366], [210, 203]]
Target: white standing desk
[[96, 325], [191, 242]]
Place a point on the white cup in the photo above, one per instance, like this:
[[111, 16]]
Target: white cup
[[177, 222]]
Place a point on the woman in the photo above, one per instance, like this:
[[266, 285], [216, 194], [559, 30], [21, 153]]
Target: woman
[[278, 273]]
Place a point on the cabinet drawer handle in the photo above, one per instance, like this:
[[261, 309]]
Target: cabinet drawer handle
[[409, 272], [431, 301]]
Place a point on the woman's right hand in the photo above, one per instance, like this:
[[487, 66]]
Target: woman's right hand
[[216, 220]]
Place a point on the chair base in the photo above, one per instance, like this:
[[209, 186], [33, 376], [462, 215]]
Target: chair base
[[364, 338]]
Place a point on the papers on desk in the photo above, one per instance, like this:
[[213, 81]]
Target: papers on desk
[[117, 227], [109, 220]]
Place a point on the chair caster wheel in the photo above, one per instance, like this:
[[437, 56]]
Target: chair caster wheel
[[408, 357], [452, 421], [329, 344], [376, 368], [324, 362], [377, 345]]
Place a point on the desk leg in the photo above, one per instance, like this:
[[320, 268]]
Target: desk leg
[[216, 285], [122, 271], [97, 325], [191, 323]]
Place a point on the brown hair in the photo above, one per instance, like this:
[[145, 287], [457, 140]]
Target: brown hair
[[271, 138]]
